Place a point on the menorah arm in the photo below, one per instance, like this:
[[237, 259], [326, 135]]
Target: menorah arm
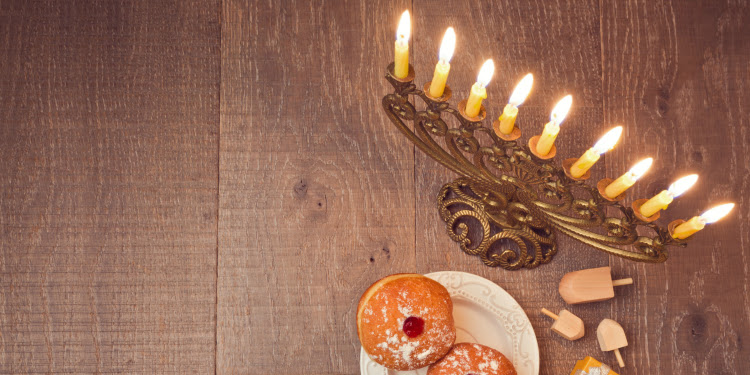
[[396, 109]]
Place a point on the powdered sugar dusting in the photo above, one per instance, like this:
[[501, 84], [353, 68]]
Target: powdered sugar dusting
[[474, 359], [425, 353], [399, 303], [406, 350], [405, 310]]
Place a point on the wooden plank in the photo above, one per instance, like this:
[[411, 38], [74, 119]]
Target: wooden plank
[[316, 190], [675, 74], [559, 43], [109, 185]]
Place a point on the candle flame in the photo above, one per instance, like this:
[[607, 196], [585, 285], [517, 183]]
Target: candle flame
[[608, 141], [714, 214], [682, 185], [448, 45], [404, 28], [521, 91], [640, 168], [485, 74], [561, 110]]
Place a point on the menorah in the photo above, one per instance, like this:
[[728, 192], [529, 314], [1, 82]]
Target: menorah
[[513, 194]]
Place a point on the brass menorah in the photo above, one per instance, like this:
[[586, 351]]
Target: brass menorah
[[514, 195]]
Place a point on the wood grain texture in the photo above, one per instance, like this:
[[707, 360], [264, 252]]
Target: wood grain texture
[[316, 194], [209, 186], [109, 184], [559, 43], [677, 75]]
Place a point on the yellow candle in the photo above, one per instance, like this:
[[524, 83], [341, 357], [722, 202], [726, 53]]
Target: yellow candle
[[618, 186], [478, 91], [628, 179], [437, 87], [508, 118], [657, 203], [587, 160], [689, 227], [697, 223], [547, 139], [401, 61], [474, 104], [664, 198], [584, 163]]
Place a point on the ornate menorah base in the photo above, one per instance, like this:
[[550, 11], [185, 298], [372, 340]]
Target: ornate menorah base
[[498, 230]]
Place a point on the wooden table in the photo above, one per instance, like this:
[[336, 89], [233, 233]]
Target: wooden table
[[199, 186]]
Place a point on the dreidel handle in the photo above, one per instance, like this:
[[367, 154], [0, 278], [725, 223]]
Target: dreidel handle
[[619, 358], [550, 314], [622, 282]]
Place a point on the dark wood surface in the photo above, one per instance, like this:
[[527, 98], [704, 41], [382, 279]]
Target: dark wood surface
[[208, 186], [109, 144]]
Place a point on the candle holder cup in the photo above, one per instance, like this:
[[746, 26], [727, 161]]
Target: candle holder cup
[[514, 134], [568, 164], [533, 141], [636, 207], [674, 224], [444, 98], [602, 187], [510, 197]]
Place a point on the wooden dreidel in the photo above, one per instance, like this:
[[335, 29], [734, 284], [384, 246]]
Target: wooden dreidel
[[611, 337], [591, 285], [566, 324]]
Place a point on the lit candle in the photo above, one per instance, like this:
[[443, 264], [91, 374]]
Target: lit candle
[[628, 179], [401, 62], [443, 66], [508, 118], [478, 91], [664, 198], [697, 223], [587, 160], [547, 139]]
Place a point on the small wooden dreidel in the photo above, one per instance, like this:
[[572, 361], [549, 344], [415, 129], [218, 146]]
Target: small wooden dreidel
[[566, 324], [589, 285], [611, 337]]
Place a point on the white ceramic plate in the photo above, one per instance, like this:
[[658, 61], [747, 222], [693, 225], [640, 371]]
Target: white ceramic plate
[[486, 314]]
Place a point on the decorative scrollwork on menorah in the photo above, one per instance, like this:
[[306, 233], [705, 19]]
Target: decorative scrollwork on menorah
[[511, 195]]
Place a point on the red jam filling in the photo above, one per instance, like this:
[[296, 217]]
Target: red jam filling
[[413, 326]]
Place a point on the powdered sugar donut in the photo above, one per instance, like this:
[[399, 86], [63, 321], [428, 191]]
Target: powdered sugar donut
[[405, 321], [476, 359]]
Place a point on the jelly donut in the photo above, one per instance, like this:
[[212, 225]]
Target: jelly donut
[[473, 359], [405, 321]]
